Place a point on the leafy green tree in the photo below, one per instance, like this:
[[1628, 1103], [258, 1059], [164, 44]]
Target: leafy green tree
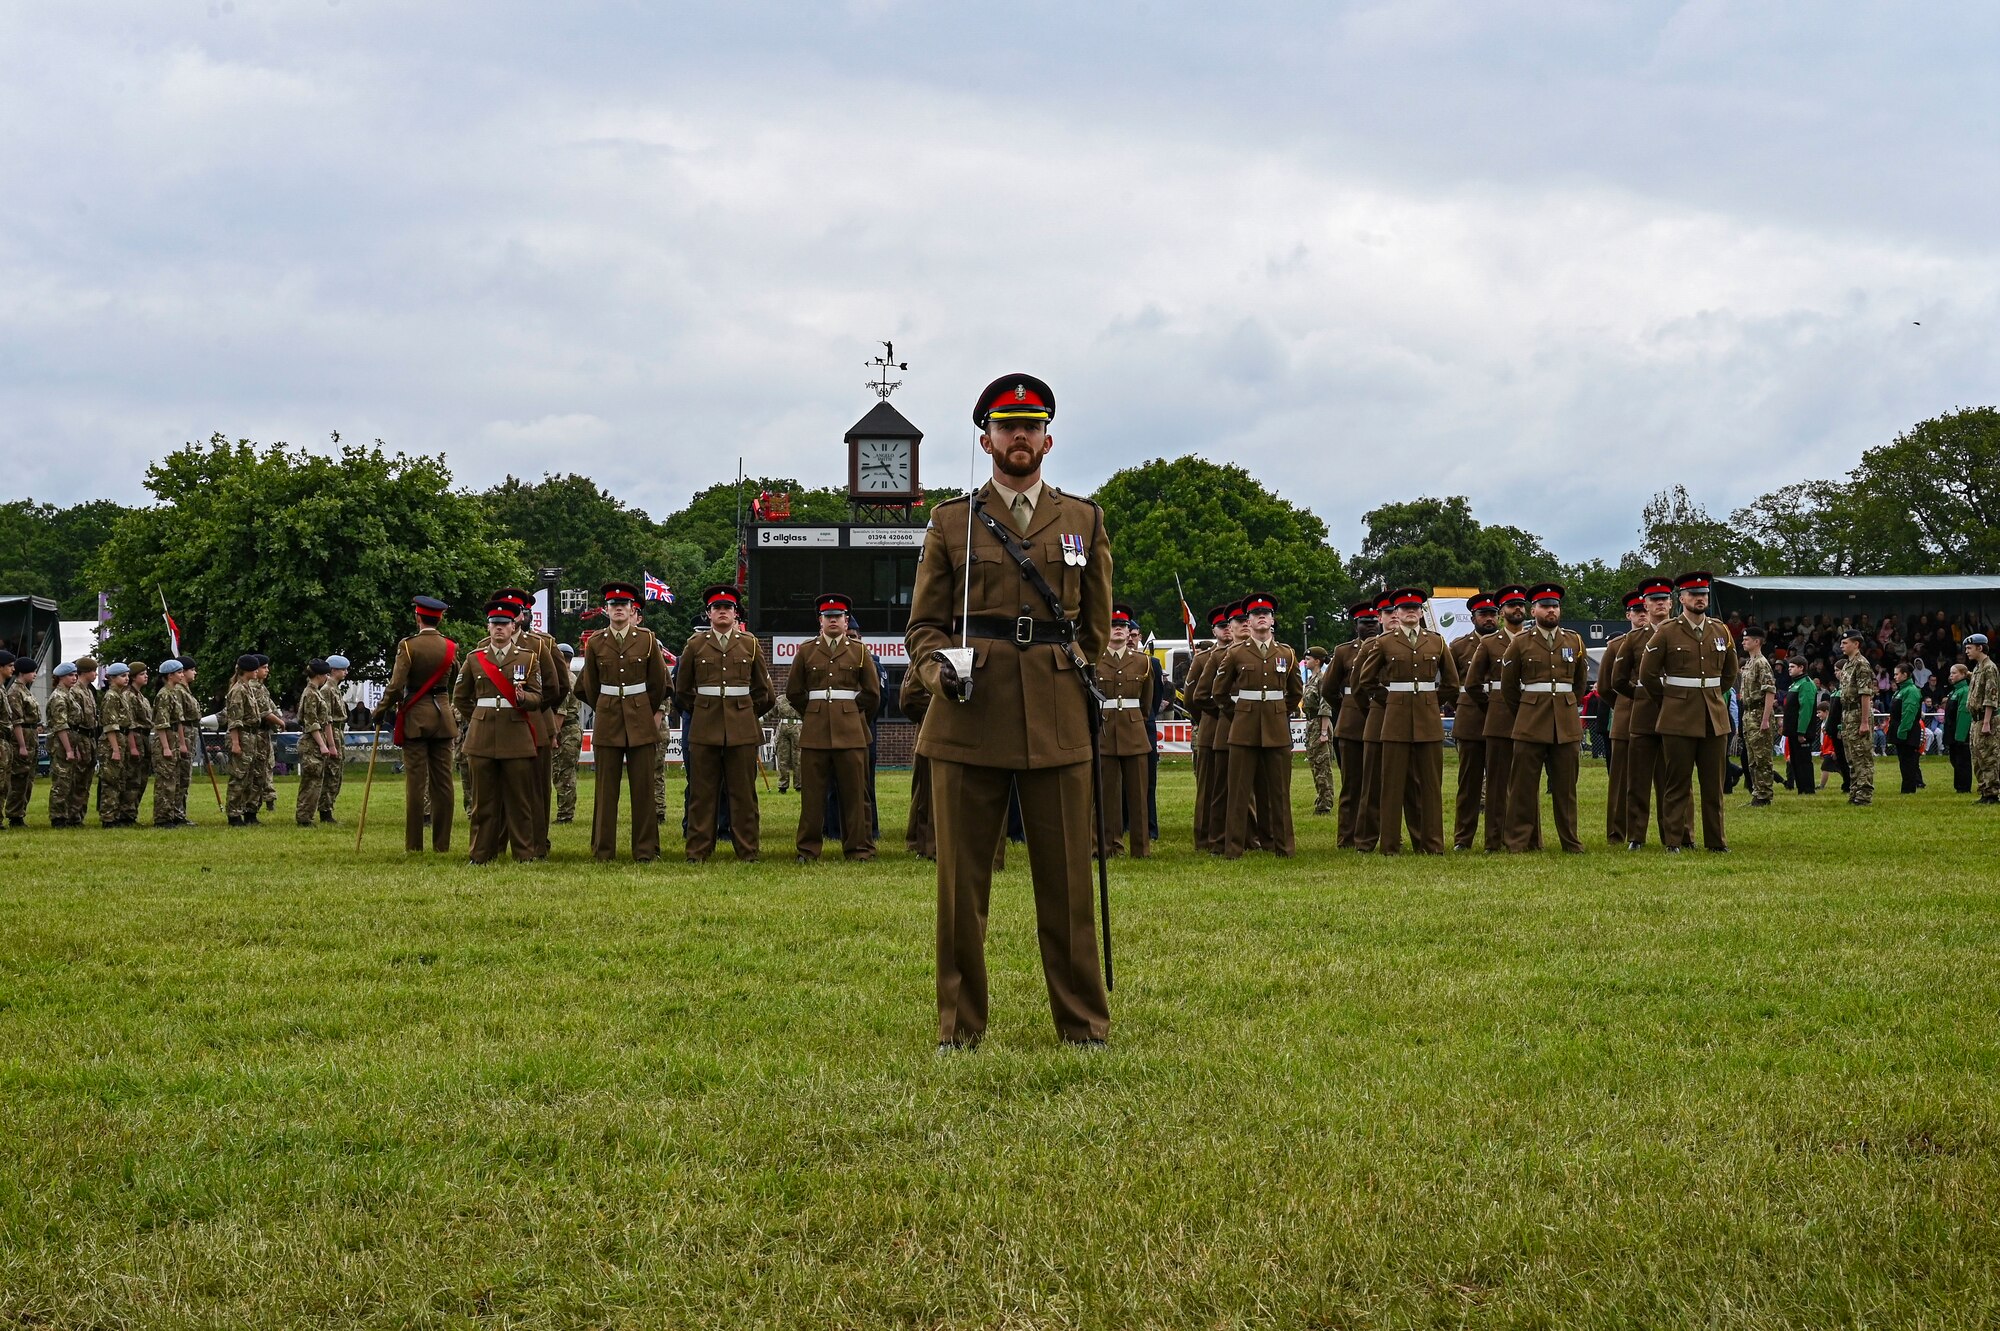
[[296, 555], [1438, 543], [1939, 483], [1596, 590], [1224, 534], [44, 550], [1677, 534]]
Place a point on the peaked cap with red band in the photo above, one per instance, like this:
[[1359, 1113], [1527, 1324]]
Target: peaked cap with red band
[[1403, 596], [1482, 601], [1384, 601], [1547, 591], [722, 592], [1237, 610], [514, 594], [1121, 613], [1015, 397], [1362, 610], [1634, 598], [429, 606], [1655, 587], [1218, 615], [1257, 601], [1696, 581], [833, 603], [619, 591], [502, 612], [1512, 594]]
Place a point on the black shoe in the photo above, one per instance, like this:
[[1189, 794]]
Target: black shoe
[[1758, 803], [17, 822], [1675, 850], [250, 819], [1984, 799], [1718, 850], [326, 817], [565, 818], [236, 820], [271, 806], [1635, 845]]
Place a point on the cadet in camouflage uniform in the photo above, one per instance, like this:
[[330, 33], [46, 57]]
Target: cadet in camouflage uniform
[[244, 716], [274, 721], [1982, 699], [84, 727], [20, 719], [569, 744], [786, 718], [6, 731], [142, 746], [1857, 719], [1757, 696], [117, 720], [1319, 732], [69, 745], [336, 732], [175, 716], [316, 751]]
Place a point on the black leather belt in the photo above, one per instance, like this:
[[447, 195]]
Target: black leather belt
[[1026, 631]]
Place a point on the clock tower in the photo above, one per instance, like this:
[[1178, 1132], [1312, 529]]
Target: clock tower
[[882, 450]]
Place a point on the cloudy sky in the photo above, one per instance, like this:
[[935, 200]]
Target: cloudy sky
[[1553, 255]]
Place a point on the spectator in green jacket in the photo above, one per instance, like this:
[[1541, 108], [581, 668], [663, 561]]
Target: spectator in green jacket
[[1802, 729], [1958, 728], [1906, 728]]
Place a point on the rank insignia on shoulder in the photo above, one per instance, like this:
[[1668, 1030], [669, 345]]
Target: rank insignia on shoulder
[[1072, 548]]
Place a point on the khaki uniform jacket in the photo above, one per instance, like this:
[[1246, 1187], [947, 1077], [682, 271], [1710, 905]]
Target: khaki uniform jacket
[[1126, 681], [1264, 723], [913, 698], [1409, 715], [1469, 722], [624, 719], [1645, 715], [723, 718], [57, 713], [1208, 721], [834, 723], [417, 659], [495, 728], [1856, 682], [1336, 685], [1543, 682], [83, 709], [1028, 707], [240, 709], [1756, 683], [1488, 664], [1677, 650], [1610, 672], [556, 681]]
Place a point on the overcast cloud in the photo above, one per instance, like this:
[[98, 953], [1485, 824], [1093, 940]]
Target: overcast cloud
[[1552, 255]]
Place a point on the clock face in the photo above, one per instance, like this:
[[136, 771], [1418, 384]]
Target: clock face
[[883, 466]]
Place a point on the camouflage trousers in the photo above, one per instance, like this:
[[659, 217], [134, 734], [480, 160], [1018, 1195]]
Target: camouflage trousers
[[1757, 759], [1319, 757], [1859, 744], [249, 769], [1985, 763], [172, 773], [569, 752], [316, 772], [787, 756], [69, 780], [21, 782], [120, 781]]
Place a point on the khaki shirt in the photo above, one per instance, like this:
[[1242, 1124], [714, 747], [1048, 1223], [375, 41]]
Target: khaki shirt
[[1260, 721], [1405, 677], [495, 727], [1543, 681], [724, 687], [822, 670], [625, 682], [417, 659], [1679, 651]]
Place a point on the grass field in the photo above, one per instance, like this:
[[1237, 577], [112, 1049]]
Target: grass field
[[248, 1078]]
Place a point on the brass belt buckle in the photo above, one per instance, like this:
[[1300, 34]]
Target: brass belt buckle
[[1024, 630]]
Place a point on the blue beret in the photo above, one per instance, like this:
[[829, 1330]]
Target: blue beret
[[65, 670], [115, 669], [1979, 638], [170, 666], [336, 662]]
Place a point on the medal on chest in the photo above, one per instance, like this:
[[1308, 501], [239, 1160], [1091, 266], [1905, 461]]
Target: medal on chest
[[1073, 552]]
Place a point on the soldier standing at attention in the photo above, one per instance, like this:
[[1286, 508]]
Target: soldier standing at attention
[[418, 687], [724, 686], [316, 751], [1019, 720], [785, 745], [1982, 700], [1319, 729], [85, 725], [1259, 680], [1350, 716], [1207, 726], [919, 834], [1404, 674], [569, 741], [173, 713], [1468, 724], [834, 688], [1218, 708], [141, 742], [243, 716], [1690, 665], [68, 745], [1757, 695], [1643, 789], [1368, 819], [263, 763], [624, 678], [118, 722], [1543, 674], [1610, 674], [1857, 718], [555, 688], [336, 729], [8, 736], [1125, 678], [20, 719], [497, 699], [1497, 726]]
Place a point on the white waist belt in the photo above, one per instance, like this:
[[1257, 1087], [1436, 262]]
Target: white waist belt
[[1260, 695], [1695, 681], [489, 702], [1546, 688], [1412, 686], [621, 690], [1347, 693], [1121, 704], [830, 695], [723, 690]]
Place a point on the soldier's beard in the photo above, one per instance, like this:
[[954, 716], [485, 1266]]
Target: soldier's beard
[[1018, 460]]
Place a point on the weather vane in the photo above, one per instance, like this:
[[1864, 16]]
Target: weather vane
[[884, 363]]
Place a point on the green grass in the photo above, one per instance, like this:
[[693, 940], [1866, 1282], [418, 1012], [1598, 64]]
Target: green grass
[[248, 1078]]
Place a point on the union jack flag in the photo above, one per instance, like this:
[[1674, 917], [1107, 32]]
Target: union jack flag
[[657, 590]]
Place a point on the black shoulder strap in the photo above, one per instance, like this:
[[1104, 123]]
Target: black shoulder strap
[[1023, 560]]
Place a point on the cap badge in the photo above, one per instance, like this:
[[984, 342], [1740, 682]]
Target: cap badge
[[1020, 392]]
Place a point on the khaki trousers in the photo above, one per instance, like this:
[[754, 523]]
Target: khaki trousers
[[709, 768], [1260, 801], [1215, 798], [426, 787], [969, 805], [1643, 788], [1412, 793], [1125, 787], [1500, 793], [1368, 813], [846, 770], [919, 836], [1471, 793], [1350, 791], [1682, 758], [504, 806], [1524, 796], [1614, 798], [618, 765]]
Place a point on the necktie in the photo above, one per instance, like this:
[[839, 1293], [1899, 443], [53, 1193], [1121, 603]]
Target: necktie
[[1022, 513]]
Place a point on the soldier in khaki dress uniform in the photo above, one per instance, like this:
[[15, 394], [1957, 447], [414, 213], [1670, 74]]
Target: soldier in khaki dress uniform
[[1259, 681], [624, 679], [417, 693], [1125, 678], [1543, 677], [1368, 820], [1207, 724], [1019, 719], [1214, 813], [1350, 717], [497, 697], [1404, 674], [1643, 789], [1497, 725], [834, 687], [1610, 672], [1757, 697], [1468, 723], [555, 691], [1690, 665], [724, 687]]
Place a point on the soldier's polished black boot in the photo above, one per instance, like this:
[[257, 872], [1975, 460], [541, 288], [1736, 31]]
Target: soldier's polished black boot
[[236, 820], [326, 817]]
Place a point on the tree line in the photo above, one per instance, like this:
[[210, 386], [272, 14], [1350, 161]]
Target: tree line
[[296, 553]]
